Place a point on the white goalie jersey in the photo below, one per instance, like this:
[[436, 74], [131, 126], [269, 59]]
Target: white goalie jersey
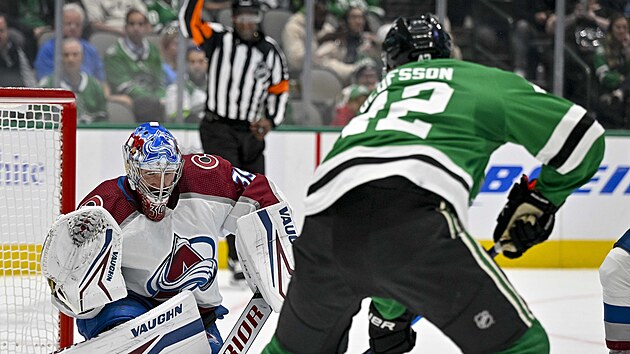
[[160, 259]]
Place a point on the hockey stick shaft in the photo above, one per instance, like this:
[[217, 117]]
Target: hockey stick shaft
[[247, 327], [492, 252]]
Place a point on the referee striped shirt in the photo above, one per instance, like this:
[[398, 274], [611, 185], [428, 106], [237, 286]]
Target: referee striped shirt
[[246, 80]]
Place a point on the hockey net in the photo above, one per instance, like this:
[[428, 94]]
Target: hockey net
[[37, 169]]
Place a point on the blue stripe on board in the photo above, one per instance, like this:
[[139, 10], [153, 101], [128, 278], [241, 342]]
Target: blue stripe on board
[[264, 217]]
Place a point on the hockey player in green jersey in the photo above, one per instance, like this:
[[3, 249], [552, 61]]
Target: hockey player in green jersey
[[387, 209]]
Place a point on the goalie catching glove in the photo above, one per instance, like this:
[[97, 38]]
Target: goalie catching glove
[[527, 219], [81, 258]]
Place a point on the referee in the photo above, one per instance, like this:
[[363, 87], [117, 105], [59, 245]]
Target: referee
[[248, 88]]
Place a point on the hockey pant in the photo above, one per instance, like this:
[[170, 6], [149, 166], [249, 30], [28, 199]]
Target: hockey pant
[[394, 240]]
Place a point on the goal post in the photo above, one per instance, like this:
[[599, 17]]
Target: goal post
[[37, 183]]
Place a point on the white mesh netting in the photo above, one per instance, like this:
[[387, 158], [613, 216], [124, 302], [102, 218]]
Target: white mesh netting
[[30, 182]]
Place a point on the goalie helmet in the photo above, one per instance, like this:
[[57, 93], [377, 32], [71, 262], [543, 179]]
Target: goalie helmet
[[153, 164], [414, 39]]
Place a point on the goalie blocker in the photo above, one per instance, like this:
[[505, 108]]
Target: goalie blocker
[[81, 258], [264, 245]]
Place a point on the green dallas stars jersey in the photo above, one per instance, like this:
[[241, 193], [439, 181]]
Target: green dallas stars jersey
[[437, 122]]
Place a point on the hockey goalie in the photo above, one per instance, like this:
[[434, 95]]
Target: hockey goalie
[[136, 263]]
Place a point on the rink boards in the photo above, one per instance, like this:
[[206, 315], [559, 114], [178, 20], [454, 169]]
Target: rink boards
[[587, 225]]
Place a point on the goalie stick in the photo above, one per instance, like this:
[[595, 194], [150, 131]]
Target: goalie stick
[[493, 252], [247, 327]]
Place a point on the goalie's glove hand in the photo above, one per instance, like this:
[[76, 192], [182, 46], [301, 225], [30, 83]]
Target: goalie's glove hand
[[527, 219], [390, 336], [86, 226]]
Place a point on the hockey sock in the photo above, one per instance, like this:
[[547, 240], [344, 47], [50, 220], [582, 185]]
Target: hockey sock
[[534, 341], [274, 347], [388, 309]]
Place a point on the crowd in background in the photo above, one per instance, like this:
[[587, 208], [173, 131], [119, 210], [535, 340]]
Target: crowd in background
[[123, 54]]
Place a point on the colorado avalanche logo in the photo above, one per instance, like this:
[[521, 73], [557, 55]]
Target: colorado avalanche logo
[[205, 161], [93, 201], [161, 146], [192, 264]]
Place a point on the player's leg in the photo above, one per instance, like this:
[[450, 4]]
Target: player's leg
[[114, 314], [390, 327], [172, 327], [209, 318], [134, 306], [320, 303], [218, 138], [251, 153], [614, 275], [428, 264]]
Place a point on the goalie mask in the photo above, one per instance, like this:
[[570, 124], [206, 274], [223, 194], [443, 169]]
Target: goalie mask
[[153, 164], [415, 39]]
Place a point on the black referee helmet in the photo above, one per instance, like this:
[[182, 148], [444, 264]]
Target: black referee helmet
[[253, 5]]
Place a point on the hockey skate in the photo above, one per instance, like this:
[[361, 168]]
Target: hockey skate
[[238, 278]]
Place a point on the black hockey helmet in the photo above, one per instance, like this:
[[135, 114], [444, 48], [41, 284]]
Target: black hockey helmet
[[413, 39]]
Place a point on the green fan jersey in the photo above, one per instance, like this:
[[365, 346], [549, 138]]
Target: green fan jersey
[[436, 122]]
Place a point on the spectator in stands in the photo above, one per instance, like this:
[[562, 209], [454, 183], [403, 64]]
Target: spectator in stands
[[110, 15], [195, 89], [168, 46], [134, 69], [620, 6], [28, 21], [491, 32], [357, 95], [612, 68], [352, 43], [590, 11], [36, 14], [531, 26], [161, 13], [15, 69], [339, 7], [366, 75], [91, 103], [73, 18], [586, 27], [294, 34]]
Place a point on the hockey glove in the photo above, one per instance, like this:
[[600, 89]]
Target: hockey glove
[[527, 219], [390, 336], [209, 319]]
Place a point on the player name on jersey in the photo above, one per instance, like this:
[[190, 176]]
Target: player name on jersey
[[404, 74]]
